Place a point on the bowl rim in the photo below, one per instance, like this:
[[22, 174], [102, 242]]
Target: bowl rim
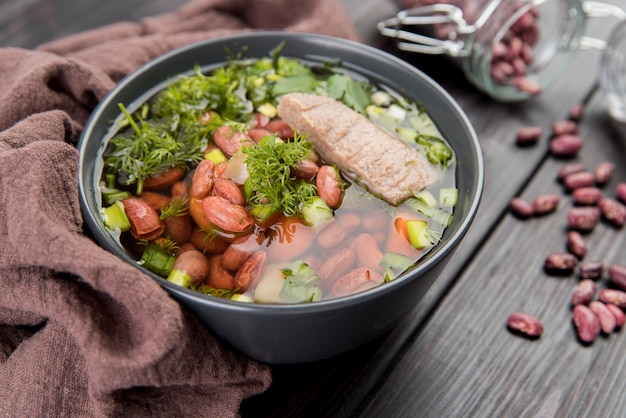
[[441, 250]]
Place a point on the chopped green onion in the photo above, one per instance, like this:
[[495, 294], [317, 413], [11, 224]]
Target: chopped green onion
[[316, 211], [448, 196], [426, 198], [114, 217], [419, 234], [300, 284], [424, 124], [157, 260], [111, 196], [394, 264], [240, 297], [437, 214], [381, 98], [179, 277]]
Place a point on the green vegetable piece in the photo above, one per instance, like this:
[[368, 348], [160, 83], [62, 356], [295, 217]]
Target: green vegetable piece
[[351, 92], [111, 196], [394, 264], [436, 150], [316, 211], [180, 278], [448, 197], [157, 260], [240, 297], [114, 217], [426, 197], [300, 284], [436, 214], [303, 83], [418, 232]]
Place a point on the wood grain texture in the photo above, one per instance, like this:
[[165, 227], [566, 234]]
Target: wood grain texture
[[452, 354]]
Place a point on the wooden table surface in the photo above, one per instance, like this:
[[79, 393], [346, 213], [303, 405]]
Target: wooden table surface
[[452, 356]]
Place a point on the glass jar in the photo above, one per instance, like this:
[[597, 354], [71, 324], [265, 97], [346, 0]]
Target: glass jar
[[510, 49], [613, 74]]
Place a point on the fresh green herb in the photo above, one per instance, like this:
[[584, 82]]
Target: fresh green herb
[[150, 147], [220, 293], [352, 93], [176, 207], [270, 181]]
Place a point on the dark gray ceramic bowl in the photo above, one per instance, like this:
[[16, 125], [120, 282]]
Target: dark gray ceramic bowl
[[284, 334]]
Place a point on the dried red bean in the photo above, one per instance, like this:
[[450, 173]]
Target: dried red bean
[[613, 211], [583, 218], [591, 269], [570, 168], [545, 203], [578, 180], [576, 244], [586, 195], [527, 85], [521, 208], [619, 315], [587, 323], [576, 112], [620, 190], [617, 275], [528, 135], [616, 297], [584, 292], [605, 316], [560, 263], [525, 324], [566, 145], [561, 127], [604, 172]]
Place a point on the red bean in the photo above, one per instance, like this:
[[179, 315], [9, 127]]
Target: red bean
[[327, 182], [529, 135], [229, 140]]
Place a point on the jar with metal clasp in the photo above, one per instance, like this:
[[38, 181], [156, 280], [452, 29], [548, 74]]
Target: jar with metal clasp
[[613, 75], [510, 49]]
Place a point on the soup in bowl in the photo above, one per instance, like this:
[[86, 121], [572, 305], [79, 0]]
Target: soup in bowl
[[299, 193]]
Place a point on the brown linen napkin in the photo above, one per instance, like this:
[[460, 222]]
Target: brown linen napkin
[[81, 333]]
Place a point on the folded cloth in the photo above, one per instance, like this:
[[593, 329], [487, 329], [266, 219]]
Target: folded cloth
[[81, 333]]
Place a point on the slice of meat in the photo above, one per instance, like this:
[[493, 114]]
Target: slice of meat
[[365, 153]]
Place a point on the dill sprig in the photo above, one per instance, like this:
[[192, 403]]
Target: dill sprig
[[149, 147], [270, 181], [176, 207]]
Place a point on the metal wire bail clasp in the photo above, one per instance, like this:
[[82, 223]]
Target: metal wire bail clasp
[[437, 14]]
